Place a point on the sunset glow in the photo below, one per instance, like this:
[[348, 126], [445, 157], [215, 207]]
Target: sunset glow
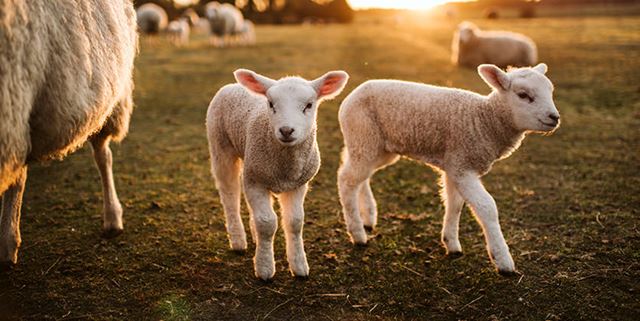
[[396, 4]]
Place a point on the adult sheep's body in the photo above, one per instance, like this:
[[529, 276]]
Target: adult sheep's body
[[66, 78], [472, 47]]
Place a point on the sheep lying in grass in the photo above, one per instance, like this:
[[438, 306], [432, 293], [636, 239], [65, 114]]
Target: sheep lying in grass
[[54, 97], [178, 32], [266, 130], [152, 19], [227, 25], [472, 47], [457, 132]]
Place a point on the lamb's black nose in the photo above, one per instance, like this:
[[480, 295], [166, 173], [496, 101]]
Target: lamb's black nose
[[554, 117], [286, 131]]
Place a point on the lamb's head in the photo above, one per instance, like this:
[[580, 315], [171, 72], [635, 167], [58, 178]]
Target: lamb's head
[[528, 93], [292, 101]]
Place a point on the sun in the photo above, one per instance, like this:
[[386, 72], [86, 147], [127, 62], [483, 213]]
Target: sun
[[397, 4]]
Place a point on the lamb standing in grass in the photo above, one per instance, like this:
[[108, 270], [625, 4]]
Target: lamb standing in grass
[[152, 19], [472, 47], [66, 77], [266, 130], [178, 32], [457, 132]]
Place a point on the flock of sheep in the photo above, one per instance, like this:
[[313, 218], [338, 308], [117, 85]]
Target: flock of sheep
[[68, 79], [223, 23]]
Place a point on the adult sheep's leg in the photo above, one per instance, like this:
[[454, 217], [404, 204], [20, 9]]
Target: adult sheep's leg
[[112, 215], [368, 206], [486, 213], [453, 203], [10, 220], [292, 204], [266, 224], [226, 170]]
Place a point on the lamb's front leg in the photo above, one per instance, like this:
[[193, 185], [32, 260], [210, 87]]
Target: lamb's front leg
[[265, 222], [292, 204], [368, 206], [486, 212], [453, 202], [10, 220], [112, 215]]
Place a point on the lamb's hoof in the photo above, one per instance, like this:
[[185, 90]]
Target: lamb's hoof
[[238, 252], [507, 273], [6, 266], [368, 228], [265, 280], [111, 232], [301, 277], [454, 255]]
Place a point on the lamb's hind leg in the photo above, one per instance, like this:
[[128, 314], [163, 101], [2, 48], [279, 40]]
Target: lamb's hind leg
[[486, 213], [227, 174], [453, 202], [368, 206], [10, 220], [351, 175], [292, 204], [112, 216]]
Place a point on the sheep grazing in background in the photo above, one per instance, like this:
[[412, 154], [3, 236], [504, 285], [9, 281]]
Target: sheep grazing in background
[[457, 132], [54, 97], [191, 16], [178, 32], [152, 18], [472, 47], [227, 25], [264, 131]]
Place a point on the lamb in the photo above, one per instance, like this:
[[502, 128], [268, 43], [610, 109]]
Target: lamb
[[472, 47], [457, 132], [227, 24], [178, 32], [152, 18], [55, 97], [264, 131]]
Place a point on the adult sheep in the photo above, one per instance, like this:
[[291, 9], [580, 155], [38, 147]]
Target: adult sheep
[[472, 47], [66, 78], [227, 24], [151, 18]]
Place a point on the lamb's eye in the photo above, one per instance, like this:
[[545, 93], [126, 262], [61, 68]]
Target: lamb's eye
[[271, 106], [307, 107], [525, 96]]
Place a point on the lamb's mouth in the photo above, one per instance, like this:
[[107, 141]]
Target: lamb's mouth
[[286, 141]]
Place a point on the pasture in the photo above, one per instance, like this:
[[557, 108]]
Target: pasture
[[569, 203]]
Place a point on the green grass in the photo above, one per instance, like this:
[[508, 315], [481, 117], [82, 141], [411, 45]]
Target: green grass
[[568, 203]]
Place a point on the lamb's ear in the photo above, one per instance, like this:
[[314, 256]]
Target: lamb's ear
[[253, 82], [541, 68], [494, 77], [330, 84]]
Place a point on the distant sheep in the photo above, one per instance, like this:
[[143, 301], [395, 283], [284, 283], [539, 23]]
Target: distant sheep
[[152, 18], [264, 131], [457, 132], [178, 32], [54, 97], [472, 47], [191, 16], [227, 25]]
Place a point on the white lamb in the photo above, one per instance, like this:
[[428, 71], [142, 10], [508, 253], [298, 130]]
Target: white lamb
[[471, 47], [54, 97], [264, 131], [227, 24], [457, 132], [152, 18], [178, 32]]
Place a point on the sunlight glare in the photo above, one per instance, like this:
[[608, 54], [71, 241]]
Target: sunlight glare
[[397, 4]]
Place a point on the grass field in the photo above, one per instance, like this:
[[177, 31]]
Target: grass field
[[569, 203]]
